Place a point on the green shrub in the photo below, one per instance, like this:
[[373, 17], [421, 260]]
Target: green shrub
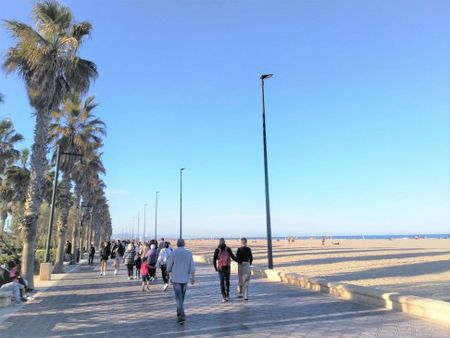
[[40, 257], [6, 258]]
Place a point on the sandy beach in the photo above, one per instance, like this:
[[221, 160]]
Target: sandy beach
[[417, 267]]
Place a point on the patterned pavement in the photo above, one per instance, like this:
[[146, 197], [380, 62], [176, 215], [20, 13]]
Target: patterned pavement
[[84, 305]]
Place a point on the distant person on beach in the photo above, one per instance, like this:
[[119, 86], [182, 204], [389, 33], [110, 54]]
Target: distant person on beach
[[181, 268], [162, 263], [244, 257], [105, 252], [130, 253], [323, 240], [91, 254], [222, 264]]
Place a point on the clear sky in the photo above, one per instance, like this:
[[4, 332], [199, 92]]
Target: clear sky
[[358, 112]]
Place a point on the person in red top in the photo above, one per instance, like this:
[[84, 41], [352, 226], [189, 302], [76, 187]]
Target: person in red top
[[145, 276]]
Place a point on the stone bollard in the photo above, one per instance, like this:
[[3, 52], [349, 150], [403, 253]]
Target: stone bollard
[[45, 271]]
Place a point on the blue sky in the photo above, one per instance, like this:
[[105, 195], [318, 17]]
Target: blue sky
[[358, 112]]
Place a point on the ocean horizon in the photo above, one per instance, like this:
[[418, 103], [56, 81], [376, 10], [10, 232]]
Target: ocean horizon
[[306, 237]]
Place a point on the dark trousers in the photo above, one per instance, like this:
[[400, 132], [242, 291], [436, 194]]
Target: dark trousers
[[91, 259], [224, 276], [180, 292], [130, 270], [165, 275], [138, 270]]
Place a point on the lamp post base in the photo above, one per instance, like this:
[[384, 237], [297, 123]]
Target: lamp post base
[[45, 271]]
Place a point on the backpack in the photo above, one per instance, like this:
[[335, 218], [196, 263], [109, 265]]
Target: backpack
[[224, 258]]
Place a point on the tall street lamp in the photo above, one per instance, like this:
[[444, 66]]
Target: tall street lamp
[[266, 175], [181, 201], [156, 216], [59, 153], [138, 234], [145, 207]]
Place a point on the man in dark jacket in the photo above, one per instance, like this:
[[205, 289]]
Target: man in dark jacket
[[222, 264]]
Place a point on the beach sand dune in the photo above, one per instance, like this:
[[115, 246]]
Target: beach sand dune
[[417, 267]]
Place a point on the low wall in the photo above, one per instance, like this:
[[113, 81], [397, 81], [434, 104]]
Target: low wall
[[432, 309]]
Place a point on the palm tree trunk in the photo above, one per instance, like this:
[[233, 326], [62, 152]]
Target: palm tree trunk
[[33, 201], [3, 217], [76, 226], [64, 199]]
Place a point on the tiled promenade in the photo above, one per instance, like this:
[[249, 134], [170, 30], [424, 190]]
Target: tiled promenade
[[84, 305]]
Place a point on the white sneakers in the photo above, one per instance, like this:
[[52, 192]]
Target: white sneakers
[[166, 286]]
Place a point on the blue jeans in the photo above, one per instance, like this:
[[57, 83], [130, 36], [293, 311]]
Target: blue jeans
[[15, 288], [180, 291]]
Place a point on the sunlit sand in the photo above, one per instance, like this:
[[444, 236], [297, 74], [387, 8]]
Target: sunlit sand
[[417, 267]]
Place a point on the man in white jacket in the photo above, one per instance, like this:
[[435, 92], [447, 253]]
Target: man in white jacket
[[181, 268], [164, 255]]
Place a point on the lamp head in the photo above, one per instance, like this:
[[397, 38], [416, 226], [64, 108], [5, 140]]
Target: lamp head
[[182, 169], [266, 76]]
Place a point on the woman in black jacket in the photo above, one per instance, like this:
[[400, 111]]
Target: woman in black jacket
[[104, 255]]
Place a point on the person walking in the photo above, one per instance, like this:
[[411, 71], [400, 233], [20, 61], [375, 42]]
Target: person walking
[[162, 263], [222, 265], [181, 268], [161, 245], [138, 262], [68, 251], [130, 253], [152, 260], [115, 257], [105, 252], [91, 254], [244, 257], [145, 276]]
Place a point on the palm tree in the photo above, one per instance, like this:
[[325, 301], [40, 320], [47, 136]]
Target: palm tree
[[47, 59], [8, 139], [8, 155], [76, 130], [13, 189], [88, 182]]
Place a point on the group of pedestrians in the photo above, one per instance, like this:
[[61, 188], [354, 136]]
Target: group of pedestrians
[[177, 266], [222, 264], [141, 259]]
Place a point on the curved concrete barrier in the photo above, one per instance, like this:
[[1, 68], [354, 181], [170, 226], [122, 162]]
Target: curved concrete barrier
[[427, 308]]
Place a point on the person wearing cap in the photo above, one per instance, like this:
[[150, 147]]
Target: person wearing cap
[[181, 268]]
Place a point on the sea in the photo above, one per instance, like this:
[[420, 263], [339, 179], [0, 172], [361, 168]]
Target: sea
[[389, 237]]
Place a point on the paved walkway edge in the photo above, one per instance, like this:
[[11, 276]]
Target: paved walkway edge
[[427, 308]]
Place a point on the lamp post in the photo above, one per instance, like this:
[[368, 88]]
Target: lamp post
[[59, 153], [138, 235], [156, 216], [181, 201], [83, 206], [266, 175], [145, 207]]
